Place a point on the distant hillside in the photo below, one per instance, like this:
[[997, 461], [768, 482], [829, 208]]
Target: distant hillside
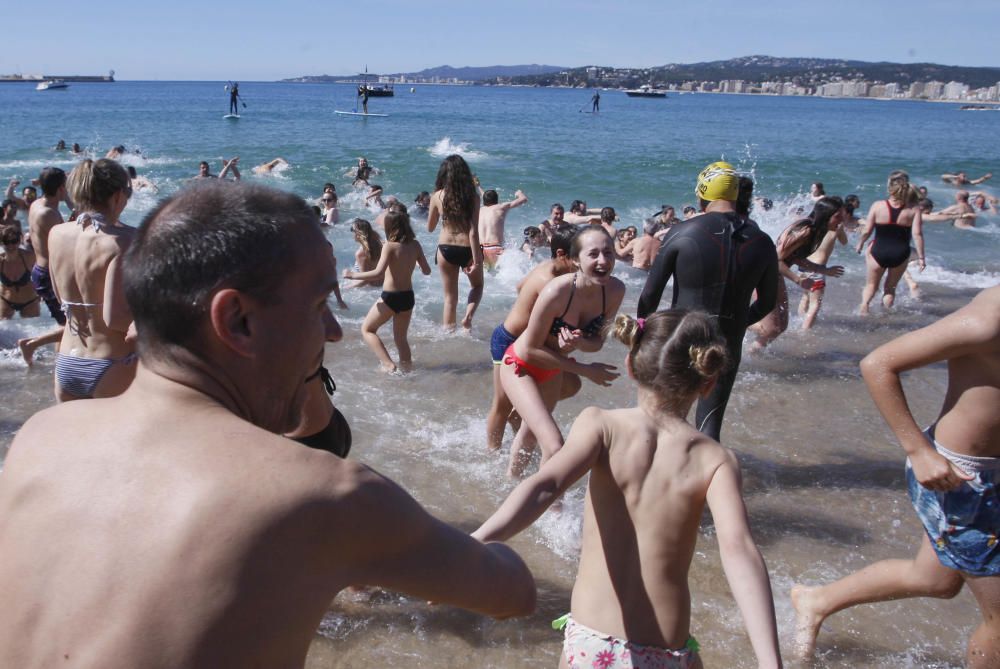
[[446, 72], [800, 71]]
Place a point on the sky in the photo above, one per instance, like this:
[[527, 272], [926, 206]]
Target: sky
[[258, 40]]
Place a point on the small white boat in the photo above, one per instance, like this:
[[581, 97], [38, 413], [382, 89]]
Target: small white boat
[[51, 85], [645, 91]]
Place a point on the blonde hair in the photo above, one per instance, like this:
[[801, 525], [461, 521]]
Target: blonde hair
[[673, 352], [898, 185], [92, 183]]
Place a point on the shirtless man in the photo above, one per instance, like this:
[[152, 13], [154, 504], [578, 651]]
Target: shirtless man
[[28, 195], [954, 464], [983, 202], [578, 214], [216, 542], [556, 218], [961, 214], [962, 179], [42, 217], [492, 216], [115, 152], [644, 249], [227, 167], [140, 182]]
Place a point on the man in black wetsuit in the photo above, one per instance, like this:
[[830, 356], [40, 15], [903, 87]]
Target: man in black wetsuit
[[717, 260], [363, 94], [596, 101], [234, 96]]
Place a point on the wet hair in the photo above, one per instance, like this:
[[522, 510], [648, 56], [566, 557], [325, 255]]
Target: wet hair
[[962, 196], [120, 148], [374, 187], [92, 183], [205, 238], [396, 206], [458, 201], [557, 205], [11, 235], [60, 145], [366, 236], [562, 239], [633, 229], [8, 203], [818, 185], [131, 172], [51, 179], [819, 218], [423, 194], [912, 197], [329, 186], [29, 189], [203, 163], [744, 197], [766, 203], [673, 353], [898, 185], [922, 190], [608, 214], [926, 204], [397, 227], [578, 206], [76, 148], [532, 231], [651, 227], [490, 197], [576, 244], [688, 209], [852, 202]]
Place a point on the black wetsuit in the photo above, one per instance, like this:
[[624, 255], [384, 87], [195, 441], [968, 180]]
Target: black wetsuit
[[234, 96], [891, 245], [716, 260]]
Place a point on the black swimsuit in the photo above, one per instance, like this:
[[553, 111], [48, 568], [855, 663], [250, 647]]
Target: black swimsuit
[[591, 329], [456, 255], [336, 436], [20, 282], [398, 300], [891, 246]]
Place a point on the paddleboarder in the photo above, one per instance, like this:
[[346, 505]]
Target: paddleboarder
[[234, 96]]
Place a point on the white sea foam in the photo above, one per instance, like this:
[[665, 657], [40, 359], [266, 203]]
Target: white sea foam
[[444, 147]]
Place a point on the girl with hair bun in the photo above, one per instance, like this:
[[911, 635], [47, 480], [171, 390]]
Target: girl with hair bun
[[95, 358], [651, 475]]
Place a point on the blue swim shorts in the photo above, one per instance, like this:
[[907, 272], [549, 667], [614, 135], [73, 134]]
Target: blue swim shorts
[[963, 524], [499, 342]]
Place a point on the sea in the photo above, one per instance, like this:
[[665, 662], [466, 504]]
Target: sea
[[823, 476]]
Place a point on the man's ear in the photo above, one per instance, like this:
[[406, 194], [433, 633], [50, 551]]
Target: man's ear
[[230, 316]]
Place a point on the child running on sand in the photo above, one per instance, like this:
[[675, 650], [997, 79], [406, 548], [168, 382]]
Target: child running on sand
[[400, 254], [952, 473], [651, 475]]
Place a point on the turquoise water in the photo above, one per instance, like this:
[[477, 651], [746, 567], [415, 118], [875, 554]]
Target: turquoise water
[[823, 477]]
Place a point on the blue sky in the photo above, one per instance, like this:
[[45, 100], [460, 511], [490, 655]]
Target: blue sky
[[258, 40]]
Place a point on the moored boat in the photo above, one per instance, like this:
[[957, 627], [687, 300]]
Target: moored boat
[[645, 91]]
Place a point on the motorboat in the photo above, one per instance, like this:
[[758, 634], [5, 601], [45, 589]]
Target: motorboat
[[645, 91], [378, 90], [51, 85]]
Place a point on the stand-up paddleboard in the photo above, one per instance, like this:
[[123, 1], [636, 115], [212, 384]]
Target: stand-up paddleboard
[[347, 113], [232, 116]]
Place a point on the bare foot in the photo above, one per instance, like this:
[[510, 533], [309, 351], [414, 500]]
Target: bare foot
[[915, 293], [388, 369], [467, 323], [343, 305], [863, 311], [406, 366], [27, 350], [807, 620], [888, 301]]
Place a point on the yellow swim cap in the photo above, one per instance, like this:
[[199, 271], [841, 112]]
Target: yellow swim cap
[[718, 181]]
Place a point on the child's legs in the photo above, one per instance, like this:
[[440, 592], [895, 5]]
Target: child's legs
[[500, 408], [400, 327], [376, 318], [873, 275], [923, 576], [804, 303], [984, 645], [814, 299], [475, 295], [449, 281]]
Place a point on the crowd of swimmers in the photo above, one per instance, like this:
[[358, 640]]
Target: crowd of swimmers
[[182, 328]]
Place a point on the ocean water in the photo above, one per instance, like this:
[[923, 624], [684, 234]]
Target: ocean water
[[823, 476]]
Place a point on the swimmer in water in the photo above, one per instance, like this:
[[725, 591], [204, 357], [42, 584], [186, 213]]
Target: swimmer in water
[[962, 179], [270, 166]]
